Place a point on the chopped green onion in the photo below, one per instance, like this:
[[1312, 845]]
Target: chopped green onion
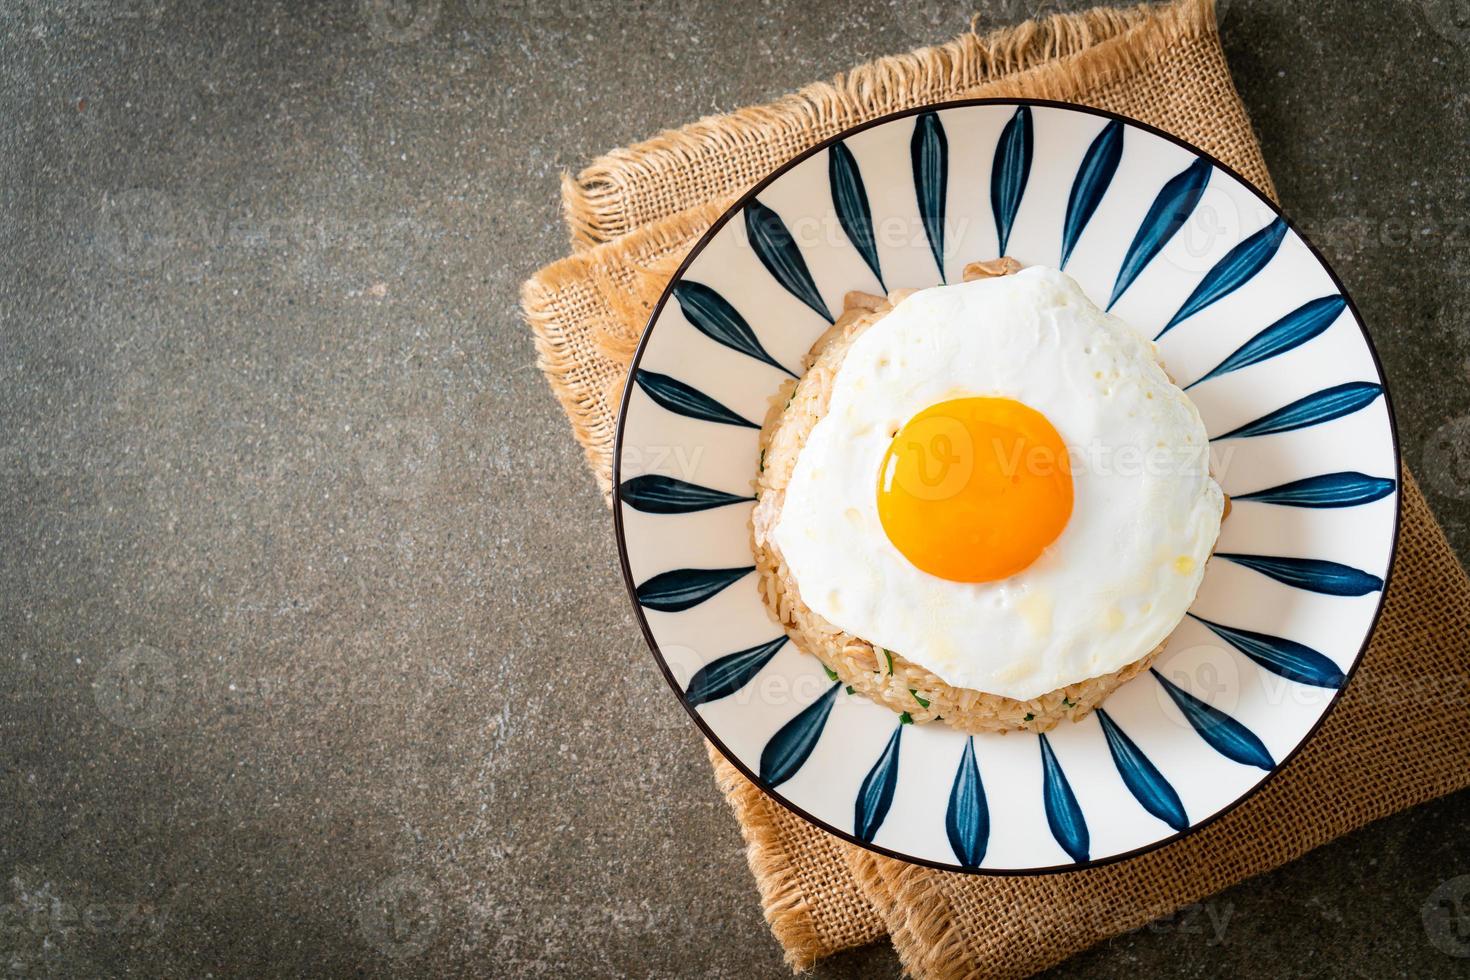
[[1028, 717], [849, 689], [905, 719], [889, 658], [831, 674], [1069, 702], [923, 702]]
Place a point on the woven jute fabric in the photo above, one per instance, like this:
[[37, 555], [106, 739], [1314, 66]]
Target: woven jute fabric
[[1399, 736]]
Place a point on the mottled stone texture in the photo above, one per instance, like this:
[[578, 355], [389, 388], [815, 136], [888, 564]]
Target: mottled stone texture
[[302, 583]]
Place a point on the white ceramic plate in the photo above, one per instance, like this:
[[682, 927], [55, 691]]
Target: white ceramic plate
[[1247, 315]]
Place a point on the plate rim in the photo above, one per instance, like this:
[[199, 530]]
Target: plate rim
[[709, 734]]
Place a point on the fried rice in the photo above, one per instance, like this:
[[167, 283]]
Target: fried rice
[[885, 676]]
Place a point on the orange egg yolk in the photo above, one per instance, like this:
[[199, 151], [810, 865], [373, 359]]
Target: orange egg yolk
[[974, 489]]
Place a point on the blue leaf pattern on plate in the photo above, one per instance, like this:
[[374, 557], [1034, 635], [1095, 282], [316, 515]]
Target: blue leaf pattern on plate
[[655, 494], [712, 315], [875, 796], [681, 399], [1287, 658], [684, 588], [1063, 815], [1142, 778], [781, 256], [1220, 731], [1328, 490], [967, 818], [723, 677], [1312, 574], [1255, 360], [789, 748], [1009, 172], [1091, 183], [1291, 331], [929, 156], [1173, 206], [1237, 268], [1324, 406], [850, 198]]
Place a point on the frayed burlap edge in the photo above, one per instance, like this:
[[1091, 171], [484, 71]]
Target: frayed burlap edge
[[924, 904], [783, 900], [588, 385], [931, 916], [811, 901], [913, 904], [588, 396], [1052, 58], [595, 202]]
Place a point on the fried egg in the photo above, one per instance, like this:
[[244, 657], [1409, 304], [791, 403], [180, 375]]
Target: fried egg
[[1006, 489]]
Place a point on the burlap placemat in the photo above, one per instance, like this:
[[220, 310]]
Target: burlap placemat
[[633, 215]]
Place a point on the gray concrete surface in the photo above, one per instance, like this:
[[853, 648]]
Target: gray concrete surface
[[302, 584]]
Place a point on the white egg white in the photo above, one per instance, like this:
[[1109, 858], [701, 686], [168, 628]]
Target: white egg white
[[1145, 514]]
